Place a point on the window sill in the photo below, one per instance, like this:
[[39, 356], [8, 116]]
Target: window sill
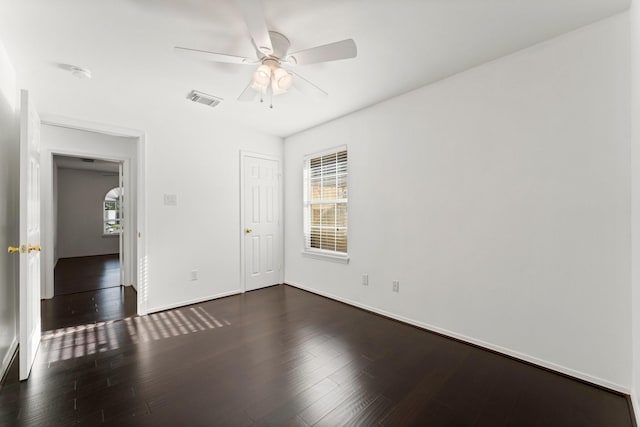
[[342, 259]]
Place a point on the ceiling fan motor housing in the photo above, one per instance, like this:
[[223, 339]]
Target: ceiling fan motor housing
[[280, 46]]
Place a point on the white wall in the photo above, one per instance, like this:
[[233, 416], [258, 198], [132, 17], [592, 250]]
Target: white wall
[[635, 200], [499, 198], [199, 162], [189, 154], [80, 217], [9, 158]]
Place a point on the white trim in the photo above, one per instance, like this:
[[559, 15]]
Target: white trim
[[515, 354], [328, 151], [106, 129], [6, 360], [193, 301], [335, 257], [243, 153]]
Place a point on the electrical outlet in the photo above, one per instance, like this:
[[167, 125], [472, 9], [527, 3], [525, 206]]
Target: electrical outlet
[[365, 280], [396, 286], [194, 275]]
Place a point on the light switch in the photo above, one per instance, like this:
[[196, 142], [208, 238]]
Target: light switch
[[170, 200]]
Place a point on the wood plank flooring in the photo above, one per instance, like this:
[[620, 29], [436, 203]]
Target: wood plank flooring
[[88, 307], [88, 273], [283, 356], [87, 291]]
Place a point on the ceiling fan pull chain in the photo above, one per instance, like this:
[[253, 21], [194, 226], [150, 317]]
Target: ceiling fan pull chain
[[271, 99]]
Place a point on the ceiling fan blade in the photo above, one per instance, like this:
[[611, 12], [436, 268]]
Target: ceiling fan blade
[[329, 52], [254, 17], [306, 87], [217, 57], [248, 94]]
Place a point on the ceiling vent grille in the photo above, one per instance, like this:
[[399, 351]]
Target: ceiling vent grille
[[203, 98]]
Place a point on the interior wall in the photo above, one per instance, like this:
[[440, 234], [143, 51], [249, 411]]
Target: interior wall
[[80, 218], [499, 198], [9, 160], [199, 163], [197, 159]]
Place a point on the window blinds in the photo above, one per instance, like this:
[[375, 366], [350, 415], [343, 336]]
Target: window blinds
[[326, 202]]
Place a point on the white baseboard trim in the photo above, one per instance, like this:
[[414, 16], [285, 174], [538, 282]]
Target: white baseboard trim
[[503, 350], [193, 301], [8, 356]]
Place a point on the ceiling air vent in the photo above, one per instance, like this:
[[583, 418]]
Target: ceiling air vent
[[203, 98]]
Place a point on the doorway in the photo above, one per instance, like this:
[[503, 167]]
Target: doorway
[[88, 223], [261, 241]]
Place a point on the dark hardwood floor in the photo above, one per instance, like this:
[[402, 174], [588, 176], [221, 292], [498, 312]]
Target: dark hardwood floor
[[283, 356], [87, 273], [87, 290], [88, 307]]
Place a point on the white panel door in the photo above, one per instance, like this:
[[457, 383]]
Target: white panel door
[[29, 234], [261, 222]]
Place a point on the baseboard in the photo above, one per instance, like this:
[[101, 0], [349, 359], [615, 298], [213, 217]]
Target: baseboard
[[600, 382], [6, 360], [193, 301]]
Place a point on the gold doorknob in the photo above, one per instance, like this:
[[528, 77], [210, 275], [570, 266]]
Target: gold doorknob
[[34, 248], [248, 230], [13, 249]]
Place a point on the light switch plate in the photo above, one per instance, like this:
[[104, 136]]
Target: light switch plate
[[170, 200]]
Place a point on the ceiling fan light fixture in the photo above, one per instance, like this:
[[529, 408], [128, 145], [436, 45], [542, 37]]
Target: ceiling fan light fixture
[[261, 77], [281, 81]]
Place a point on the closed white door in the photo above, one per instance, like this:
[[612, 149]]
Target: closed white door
[[29, 234], [261, 206]]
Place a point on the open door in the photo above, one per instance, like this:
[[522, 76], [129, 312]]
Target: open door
[[29, 234]]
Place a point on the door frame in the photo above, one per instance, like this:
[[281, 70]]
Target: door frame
[[244, 154], [135, 240], [125, 239]]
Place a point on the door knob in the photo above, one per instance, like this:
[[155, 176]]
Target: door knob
[[248, 230], [13, 249], [34, 248]]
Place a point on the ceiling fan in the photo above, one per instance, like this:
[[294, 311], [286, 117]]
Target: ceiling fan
[[272, 56]]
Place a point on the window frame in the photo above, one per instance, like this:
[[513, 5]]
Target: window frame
[[331, 255], [119, 207]]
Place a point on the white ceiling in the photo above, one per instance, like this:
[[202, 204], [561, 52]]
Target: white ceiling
[[128, 46]]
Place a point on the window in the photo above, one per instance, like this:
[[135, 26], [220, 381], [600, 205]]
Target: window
[[111, 211], [325, 203]]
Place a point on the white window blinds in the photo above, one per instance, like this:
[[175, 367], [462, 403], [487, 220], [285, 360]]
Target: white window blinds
[[325, 202]]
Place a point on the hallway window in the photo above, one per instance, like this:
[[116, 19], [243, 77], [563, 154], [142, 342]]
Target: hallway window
[[112, 211], [325, 203]]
